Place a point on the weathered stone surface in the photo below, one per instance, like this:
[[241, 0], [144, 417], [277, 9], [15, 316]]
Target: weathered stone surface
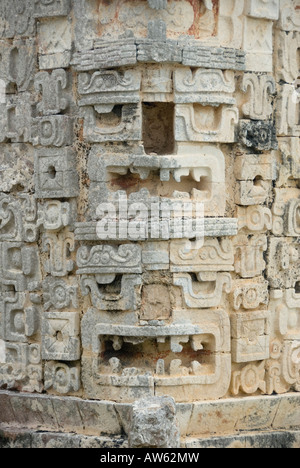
[[153, 424], [149, 221]]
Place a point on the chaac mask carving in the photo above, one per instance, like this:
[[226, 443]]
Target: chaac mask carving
[[115, 111]]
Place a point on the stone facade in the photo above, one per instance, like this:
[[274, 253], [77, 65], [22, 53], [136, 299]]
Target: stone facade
[[107, 105]]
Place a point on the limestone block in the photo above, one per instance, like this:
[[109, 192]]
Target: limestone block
[[250, 333], [156, 256], [53, 8], [109, 259], [285, 210], [258, 44], [285, 307], [253, 173], [18, 63], [254, 219], [19, 321], [249, 294], [18, 218], [16, 21], [262, 9], [206, 292], [287, 49], [19, 266], [107, 294], [106, 54], [249, 380], [54, 215], [157, 83], [55, 173], [15, 120], [289, 152], [58, 294], [14, 169], [213, 227], [59, 245], [283, 263], [157, 48], [261, 87], [53, 130], [204, 164], [52, 88], [63, 378], [215, 255], [289, 16], [230, 23], [22, 368], [260, 135], [108, 122], [249, 259], [158, 4], [288, 106], [60, 336], [194, 122], [170, 376], [54, 43], [153, 423], [210, 87], [195, 55], [250, 166], [109, 87], [156, 302]]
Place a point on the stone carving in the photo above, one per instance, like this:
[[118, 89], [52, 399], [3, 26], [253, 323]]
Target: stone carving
[[18, 321], [60, 336], [46, 8], [205, 124], [249, 260], [261, 87], [262, 9], [260, 135], [115, 379], [215, 255], [209, 87], [22, 369], [51, 87], [250, 336], [18, 63], [288, 46], [288, 111], [54, 130], [59, 295], [19, 266], [157, 4], [283, 263], [258, 44], [55, 173], [63, 378], [59, 245], [202, 298], [254, 173], [17, 20], [55, 43], [109, 87], [254, 219], [149, 210], [153, 421], [125, 298], [108, 259], [15, 120], [249, 294]]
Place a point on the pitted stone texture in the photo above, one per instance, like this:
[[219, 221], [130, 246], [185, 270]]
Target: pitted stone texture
[[153, 424]]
